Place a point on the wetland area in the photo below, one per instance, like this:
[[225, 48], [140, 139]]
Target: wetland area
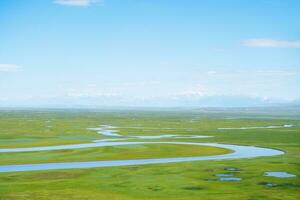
[[147, 155]]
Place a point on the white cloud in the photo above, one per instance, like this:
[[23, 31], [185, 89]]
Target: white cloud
[[9, 68], [75, 2], [195, 91], [266, 42]]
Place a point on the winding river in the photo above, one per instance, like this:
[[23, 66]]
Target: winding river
[[239, 151]]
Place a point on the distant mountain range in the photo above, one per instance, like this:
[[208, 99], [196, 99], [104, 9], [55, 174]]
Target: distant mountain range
[[173, 101]]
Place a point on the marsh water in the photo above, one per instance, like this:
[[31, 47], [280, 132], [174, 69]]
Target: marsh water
[[280, 174], [239, 152], [230, 179], [106, 130], [261, 127]]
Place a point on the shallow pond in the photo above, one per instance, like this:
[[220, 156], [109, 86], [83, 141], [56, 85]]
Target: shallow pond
[[230, 179], [224, 175], [280, 174]]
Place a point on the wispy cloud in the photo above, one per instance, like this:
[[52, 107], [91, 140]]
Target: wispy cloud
[[76, 2], [252, 73], [195, 91], [9, 68], [254, 83], [267, 42]]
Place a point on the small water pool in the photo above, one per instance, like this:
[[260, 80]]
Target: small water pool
[[280, 174]]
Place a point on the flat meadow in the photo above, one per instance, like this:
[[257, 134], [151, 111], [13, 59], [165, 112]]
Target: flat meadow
[[278, 129]]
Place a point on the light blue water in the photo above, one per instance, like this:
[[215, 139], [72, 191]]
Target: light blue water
[[224, 175], [230, 179], [239, 152], [106, 130], [280, 174], [261, 127], [170, 136]]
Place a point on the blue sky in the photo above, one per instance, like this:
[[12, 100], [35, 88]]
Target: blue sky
[[148, 52]]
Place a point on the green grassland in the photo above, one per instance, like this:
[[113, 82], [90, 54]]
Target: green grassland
[[179, 181], [137, 151]]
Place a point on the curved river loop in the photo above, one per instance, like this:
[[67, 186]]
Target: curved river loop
[[239, 152]]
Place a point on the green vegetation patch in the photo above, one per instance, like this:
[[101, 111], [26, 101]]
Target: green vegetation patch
[[136, 151]]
